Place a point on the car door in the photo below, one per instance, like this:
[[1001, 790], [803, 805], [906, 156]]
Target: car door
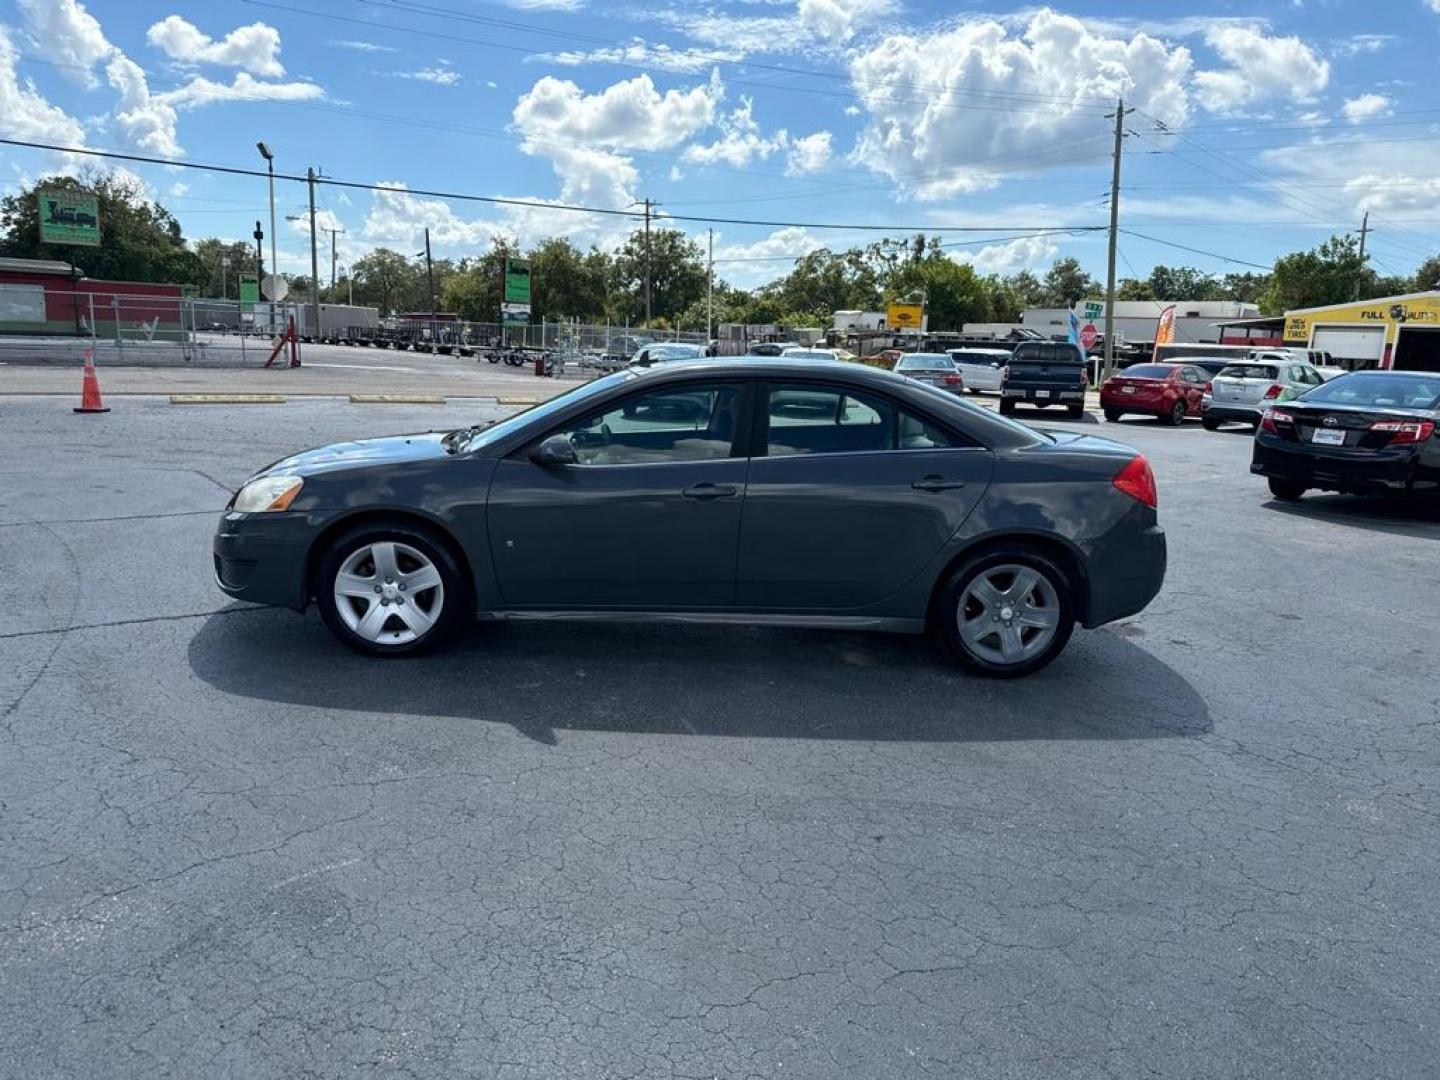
[[646, 517], [1192, 385], [849, 496]]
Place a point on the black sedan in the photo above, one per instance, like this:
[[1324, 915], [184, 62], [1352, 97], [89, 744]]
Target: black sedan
[[895, 507], [1364, 432]]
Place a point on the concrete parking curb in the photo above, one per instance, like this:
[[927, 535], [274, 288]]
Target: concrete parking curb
[[226, 399], [519, 400], [396, 399]]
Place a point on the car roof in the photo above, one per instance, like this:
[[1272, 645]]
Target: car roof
[[980, 349], [1390, 373]]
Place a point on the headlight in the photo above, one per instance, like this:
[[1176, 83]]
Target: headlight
[[268, 493]]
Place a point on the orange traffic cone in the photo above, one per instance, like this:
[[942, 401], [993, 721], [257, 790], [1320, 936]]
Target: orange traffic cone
[[90, 388]]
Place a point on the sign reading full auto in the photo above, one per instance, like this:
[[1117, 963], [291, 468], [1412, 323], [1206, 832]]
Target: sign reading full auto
[[69, 217]]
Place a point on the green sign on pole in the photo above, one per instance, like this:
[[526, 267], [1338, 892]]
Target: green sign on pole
[[517, 281], [69, 217], [249, 289], [1093, 310]]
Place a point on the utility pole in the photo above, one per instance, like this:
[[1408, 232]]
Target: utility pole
[[1360, 275], [647, 263], [1114, 243], [334, 252], [429, 270], [314, 257], [710, 288]]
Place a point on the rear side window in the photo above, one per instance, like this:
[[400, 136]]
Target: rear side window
[[807, 419], [1249, 371]]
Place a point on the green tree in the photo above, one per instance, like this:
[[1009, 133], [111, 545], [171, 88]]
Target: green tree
[[1427, 276], [1065, 283], [567, 283], [676, 271], [388, 280], [221, 262], [1245, 287], [1134, 289], [954, 293], [140, 240], [1327, 274]]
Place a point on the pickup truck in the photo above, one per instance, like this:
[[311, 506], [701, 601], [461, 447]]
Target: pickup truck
[[1044, 373]]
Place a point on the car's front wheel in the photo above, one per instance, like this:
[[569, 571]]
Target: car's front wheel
[[389, 589], [1176, 416], [1006, 612], [1210, 423]]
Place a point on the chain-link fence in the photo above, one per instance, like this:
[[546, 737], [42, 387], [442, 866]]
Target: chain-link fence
[[42, 326]]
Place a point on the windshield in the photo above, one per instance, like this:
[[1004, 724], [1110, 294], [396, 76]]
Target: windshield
[[1249, 371], [1379, 391], [975, 356], [486, 436], [926, 362], [1148, 371]]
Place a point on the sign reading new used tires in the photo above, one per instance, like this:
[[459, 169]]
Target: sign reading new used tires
[[69, 217]]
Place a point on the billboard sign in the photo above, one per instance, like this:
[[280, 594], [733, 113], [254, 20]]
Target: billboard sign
[[514, 313], [905, 317], [517, 283], [69, 217]]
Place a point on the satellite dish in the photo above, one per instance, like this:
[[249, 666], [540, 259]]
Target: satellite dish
[[274, 288]]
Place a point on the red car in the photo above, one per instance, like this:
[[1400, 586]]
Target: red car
[[1169, 391]]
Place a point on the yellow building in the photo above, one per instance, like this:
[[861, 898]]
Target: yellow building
[[1401, 332]]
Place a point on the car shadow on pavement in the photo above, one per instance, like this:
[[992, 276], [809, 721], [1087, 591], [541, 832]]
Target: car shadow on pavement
[[1416, 517], [544, 677]]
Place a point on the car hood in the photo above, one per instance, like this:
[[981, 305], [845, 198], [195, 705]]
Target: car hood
[[361, 453]]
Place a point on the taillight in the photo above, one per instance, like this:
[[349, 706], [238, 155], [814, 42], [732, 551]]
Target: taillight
[[1275, 390], [1272, 417], [1005, 373], [1137, 481], [953, 380], [1209, 389], [1405, 431]]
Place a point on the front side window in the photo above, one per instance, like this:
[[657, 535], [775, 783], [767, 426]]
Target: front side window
[[820, 420], [693, 422]]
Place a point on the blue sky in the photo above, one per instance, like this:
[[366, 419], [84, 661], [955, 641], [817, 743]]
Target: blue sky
[[1260, 128]]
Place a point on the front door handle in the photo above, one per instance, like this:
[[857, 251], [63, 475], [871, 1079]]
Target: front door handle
[[708, 490], [937, 483]]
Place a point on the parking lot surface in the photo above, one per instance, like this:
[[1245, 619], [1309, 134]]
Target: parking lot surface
[[1201, 843]]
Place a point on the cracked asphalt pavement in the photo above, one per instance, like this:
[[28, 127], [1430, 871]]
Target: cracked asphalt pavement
[[1201, 844]]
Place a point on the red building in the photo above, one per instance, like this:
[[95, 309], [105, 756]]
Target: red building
[[43, 296]]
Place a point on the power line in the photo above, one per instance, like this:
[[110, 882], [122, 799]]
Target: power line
[[537, 204], [1196, 251]]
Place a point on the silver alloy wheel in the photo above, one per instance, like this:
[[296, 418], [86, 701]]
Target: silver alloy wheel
[[1008, 613], [389, 593]]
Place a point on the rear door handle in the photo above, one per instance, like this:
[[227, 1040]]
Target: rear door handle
[[708, 490], [937, 483]]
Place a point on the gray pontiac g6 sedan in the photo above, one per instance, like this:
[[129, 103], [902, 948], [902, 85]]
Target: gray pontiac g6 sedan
[[759, 491]]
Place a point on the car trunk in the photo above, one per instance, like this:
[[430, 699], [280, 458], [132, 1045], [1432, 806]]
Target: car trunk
[[1137, 390], [1331, 427], [934, 376], [1247, 389]]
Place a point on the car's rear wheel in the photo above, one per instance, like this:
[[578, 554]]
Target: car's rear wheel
[[1075, 412], [1209, 423], [389, 589], [1112, 416], [1007, 407], [1286, 490], [1176, 416], [1006, 613]]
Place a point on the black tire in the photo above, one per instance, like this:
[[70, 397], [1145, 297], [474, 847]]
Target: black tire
[[1007, 407], [1286, 490], [1041, 404], [1112, 416], [455, 589], [1075, 412], [1176, 416], [1209, 423], [945, 611]]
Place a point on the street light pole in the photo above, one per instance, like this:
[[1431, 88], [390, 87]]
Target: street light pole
[[274, 259]]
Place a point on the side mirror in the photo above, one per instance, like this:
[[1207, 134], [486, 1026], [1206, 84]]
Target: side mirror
[[556, 450]]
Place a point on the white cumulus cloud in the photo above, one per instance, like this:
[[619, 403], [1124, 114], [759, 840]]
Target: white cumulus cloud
[[837, 20], [1262, 69], [363, 46], [1366, 107], [640, 53], [64, 32], [25, 113], [808, 154], [947, 110], [1024, 253], [440, 76], [740, 140], [142, 118], [254, 48], [630, 114], [202, 91]]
